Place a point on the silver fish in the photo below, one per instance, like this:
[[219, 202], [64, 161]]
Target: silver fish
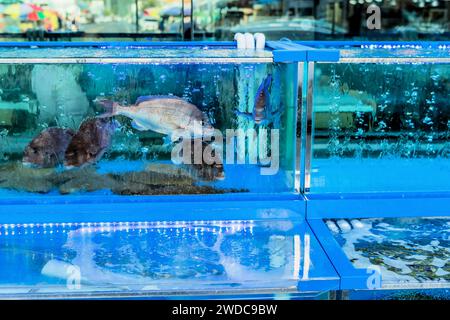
[[162, 114]]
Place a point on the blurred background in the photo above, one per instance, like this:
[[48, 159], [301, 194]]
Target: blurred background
[[57, 20]]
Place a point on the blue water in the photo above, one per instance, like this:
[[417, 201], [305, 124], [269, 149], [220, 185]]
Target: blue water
[[396, 51], [382, 127], [131, 52], [225, 255], [385, 175], [64, 95]]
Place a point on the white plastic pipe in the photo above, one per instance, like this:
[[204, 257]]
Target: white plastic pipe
[[332, 226], [57, 269], [356, 224], [344, 225], [260, 41], [249, 41], [240, 39]]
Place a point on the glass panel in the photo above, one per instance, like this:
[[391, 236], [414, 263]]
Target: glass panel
[[159, 258], [70, 15], [323, 19], [90, 19], [221, 19], [58, 137], [382, 122], [410, 252]]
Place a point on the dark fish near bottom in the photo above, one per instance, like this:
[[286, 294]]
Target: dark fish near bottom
[[47, 150], [90, 142], [204, 171]]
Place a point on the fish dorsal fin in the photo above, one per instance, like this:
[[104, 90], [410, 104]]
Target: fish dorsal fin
[[148, 98]]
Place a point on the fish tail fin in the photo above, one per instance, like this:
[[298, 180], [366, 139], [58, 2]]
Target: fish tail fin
[[109, 106]]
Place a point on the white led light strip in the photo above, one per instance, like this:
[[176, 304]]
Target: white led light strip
[[89, 227]]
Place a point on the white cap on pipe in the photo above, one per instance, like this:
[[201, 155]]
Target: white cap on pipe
[[249, 41], [240, 38], [260, 40]]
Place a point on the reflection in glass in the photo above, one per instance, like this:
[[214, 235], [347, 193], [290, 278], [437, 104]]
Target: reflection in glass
[[220, 19]]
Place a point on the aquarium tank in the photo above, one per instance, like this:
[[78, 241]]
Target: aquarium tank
[[381, 120], [376, 165], [181, 169], [66, 126], [153, 169]]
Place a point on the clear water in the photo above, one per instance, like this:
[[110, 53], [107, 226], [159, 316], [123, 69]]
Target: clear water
[[382, 126], [397, 52], [400, 51], [159, 257], [34, 97], [130, 52], [410, 252]]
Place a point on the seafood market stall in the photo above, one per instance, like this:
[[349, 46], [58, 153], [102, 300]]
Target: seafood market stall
[[200, 169]]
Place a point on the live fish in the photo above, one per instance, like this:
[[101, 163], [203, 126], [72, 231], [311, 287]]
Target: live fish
[[90, 142], [204, 171], [261, 110], [162, 114], [47, 150]]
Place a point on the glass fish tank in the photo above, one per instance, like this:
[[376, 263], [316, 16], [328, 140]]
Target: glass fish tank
[[160, 258], [381, 119], [375, 165], [145, 120], [153, 170], [200, 169]]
